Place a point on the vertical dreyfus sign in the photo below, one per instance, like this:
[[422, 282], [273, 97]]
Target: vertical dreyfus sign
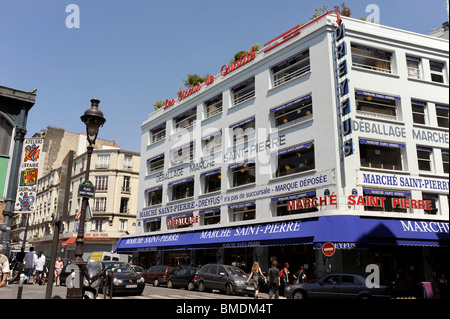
[[344, 126], [64, 187], [28, 174]]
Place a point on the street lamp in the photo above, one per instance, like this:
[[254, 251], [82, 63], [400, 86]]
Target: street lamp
[[93, 119]]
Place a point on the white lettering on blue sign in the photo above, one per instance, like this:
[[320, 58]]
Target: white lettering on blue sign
[[424, 227], [405, 181]]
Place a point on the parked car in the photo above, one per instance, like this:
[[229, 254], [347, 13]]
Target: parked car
[[185, 278], [126, 280], [225, 278], [342, 286], [158, 275]]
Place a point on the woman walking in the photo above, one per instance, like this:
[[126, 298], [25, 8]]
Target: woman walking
[[257, 275], [58, 269]]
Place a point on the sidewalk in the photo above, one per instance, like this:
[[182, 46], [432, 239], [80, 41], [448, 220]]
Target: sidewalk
[[31, 291]]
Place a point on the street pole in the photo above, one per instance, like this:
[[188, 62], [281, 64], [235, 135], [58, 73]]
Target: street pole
[[51, 269]]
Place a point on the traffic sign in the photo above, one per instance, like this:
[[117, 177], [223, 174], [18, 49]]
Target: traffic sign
[[328, 249], [86, 189]]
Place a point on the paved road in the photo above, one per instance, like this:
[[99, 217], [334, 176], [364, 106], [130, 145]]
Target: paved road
[[31, 291]]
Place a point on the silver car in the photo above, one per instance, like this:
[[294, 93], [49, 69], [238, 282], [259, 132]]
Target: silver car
[[337, 286]]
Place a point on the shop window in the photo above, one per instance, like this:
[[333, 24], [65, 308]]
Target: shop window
[[242, 173], [424, 157], [418, 111], [155, 164], [295, 159], [243, 132], [292, 112], [153, 196], [372, 59], [414, 67], [434, 199], [243, 91], [158, 133], [384, 155], [291, 68], [183, 154], [185, 120], [241, 212], [281, 204], [210, 216], [211, 181], [380, 105], [212, 145], [213, 106], [445, 160], [153, 224], [179, 221], [442, 115], [389, 205], [182, 189], [437, 71]]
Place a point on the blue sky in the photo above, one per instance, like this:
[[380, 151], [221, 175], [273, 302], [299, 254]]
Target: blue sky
[[130, 54]]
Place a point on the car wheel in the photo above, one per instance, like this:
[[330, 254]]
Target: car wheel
[[299, 295], [156, 283], [191, 286], [201, 286], [228, 289], [364, 297], [170, 284]]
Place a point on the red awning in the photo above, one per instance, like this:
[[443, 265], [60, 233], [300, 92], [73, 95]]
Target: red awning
[[71, 240]]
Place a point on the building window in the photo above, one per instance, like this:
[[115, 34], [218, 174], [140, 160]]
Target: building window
[[418, 110], [414, 67], [242, 173], [242, 212], [390, 202], [99, 204], [384, 155], [437, 71], [243, 132], [98, 225], [424, 155], [291, 68], [123, 223], [383, 106], [210, 216], [101, 183], [158, 133], [434, 199], [442, 115], [213, 106], [445, 160], [103, 161], [179, 221], [127, 162], [212, 145], [372, 59], [182, 189], [211, 181], [126, 184], [244, 91], [183, 154], [292, 112], [294, 160], [185, 120], [155, 164], [124, 205], [153, 196], [281, 204], [153, 224]]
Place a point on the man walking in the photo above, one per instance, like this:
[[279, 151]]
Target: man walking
[[274, 281], [30, 261]]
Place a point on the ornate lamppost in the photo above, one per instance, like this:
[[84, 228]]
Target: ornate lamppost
[[93, 119]]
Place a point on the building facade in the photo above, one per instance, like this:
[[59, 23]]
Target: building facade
[[335, 131]]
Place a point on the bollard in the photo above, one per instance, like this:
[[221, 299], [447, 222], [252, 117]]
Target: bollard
[[112, 284], [105, 284], [19, 291]]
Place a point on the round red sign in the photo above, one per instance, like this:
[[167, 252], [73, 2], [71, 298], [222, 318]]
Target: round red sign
[[328, 249]]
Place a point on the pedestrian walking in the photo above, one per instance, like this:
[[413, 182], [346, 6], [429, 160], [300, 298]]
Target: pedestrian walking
[[284, 275], [30, 261], [40, 266], [4, 268], [58, 268], [443, 287], [300, 275], [257, 276], [273, 281]]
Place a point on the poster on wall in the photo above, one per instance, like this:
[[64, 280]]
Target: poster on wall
[[28, 174]]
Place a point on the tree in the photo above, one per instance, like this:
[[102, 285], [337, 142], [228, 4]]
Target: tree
[[253, 48], [343, 10], [193, 79], [159, 105]]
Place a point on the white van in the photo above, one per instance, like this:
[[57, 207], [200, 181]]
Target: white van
[[109, 256]]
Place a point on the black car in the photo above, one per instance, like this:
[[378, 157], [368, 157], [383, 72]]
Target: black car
[[185, 278], [225, 278], [126, 280], [337, 286]]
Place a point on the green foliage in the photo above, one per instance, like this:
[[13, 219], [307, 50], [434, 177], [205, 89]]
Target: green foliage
[[193, 79], [158, 105]]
